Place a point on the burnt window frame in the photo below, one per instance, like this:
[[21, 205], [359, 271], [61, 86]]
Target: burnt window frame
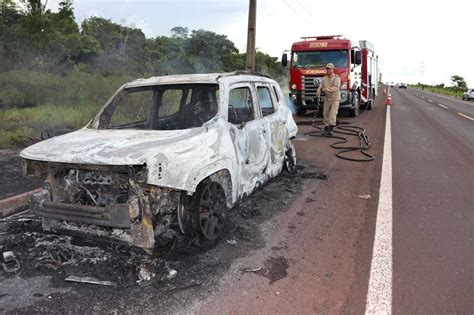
[[258, 85], [275, 91], [105, 115], [252, 93], [102, 119]]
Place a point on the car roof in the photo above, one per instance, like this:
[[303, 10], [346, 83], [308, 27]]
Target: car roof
[[210, 78]]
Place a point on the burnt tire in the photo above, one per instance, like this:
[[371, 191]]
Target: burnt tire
[[208, 210], [289, 161]]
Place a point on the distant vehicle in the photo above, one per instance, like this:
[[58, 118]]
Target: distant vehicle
[[392, 84], [355, 62], [402, 86], [468, 95]]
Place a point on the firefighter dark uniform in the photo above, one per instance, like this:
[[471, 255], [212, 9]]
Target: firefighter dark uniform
[[330, 85]]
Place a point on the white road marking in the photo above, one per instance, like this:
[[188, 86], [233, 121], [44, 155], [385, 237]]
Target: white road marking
[[441, 105], [430, 100], [466, 116], [422, 96], [379, 294]]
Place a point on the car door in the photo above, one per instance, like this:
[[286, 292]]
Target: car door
[[248, 134], [276, 134]]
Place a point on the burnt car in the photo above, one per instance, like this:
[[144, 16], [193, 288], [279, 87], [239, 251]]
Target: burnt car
[[169, 153]]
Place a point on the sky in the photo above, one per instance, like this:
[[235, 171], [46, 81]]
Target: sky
[[417, 41]]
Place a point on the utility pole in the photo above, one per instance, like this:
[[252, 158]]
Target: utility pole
[[250, 57]]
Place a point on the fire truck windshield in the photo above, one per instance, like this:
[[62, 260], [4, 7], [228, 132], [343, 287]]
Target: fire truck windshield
[[319, 59]]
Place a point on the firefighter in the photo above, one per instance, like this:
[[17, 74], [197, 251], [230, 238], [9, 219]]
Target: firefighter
[[330, 88]]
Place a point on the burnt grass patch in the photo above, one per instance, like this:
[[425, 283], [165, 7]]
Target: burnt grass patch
[[180, 271], [12, 181]]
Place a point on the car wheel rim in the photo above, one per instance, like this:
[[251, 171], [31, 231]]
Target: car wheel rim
[[211, 211]]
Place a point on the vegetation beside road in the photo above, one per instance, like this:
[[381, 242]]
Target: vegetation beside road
[[457, 88], [449, 91], [55, 74]]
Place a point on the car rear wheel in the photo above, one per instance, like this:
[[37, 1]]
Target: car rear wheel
[[289, 161]]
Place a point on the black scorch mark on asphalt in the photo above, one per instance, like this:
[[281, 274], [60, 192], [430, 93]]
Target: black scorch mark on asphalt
[[275, 269]]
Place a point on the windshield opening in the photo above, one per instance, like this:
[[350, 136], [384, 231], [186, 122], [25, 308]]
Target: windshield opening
[[161, 107], [319, 59]]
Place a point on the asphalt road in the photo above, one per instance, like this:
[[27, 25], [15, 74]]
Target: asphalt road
[[433, 204]]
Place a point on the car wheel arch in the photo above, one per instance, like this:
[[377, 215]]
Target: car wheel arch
[[222, 175]]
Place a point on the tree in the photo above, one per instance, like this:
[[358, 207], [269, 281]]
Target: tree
[[208, 49], [122, 48], [458, 82], [179, 32]]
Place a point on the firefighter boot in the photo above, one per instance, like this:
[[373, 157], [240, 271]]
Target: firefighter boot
[[326, 130], [329, 133]]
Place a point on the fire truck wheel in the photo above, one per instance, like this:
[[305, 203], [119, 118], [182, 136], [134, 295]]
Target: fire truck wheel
[[354, 112], [369, 105], [300, 111]]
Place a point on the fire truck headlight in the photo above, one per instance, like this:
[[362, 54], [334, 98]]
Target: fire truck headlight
[[343, 86], [343, 96], [293, 86]]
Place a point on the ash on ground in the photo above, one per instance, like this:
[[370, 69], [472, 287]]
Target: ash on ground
[[180, 271], [12, 181]]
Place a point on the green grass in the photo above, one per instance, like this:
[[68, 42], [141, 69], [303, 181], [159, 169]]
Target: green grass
[[53, 102], [450, 91], [19, 127]]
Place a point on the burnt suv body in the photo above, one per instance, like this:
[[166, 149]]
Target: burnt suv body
[[164, 153]]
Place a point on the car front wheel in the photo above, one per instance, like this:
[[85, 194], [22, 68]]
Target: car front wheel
[[208, 206]]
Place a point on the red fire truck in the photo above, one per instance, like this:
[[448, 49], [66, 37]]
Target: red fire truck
[[355, 63]]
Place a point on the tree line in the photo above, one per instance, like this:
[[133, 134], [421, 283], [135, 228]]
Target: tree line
[[35, 38]]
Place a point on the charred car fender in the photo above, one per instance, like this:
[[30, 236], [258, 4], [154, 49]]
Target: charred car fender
[[224, 170]]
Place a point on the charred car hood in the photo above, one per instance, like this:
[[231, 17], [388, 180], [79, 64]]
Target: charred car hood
[[107, 147]]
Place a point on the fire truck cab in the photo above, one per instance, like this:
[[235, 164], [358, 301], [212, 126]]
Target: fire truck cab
[[355, 63]]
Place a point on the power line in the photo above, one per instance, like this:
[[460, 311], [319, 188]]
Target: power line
[[305, 10], [308, 9], [296, 12]]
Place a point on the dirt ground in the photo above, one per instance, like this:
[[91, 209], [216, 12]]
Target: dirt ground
[[12, 182]]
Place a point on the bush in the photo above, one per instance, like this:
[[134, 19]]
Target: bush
[[33, 102], [23, 88], [440, 89]]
